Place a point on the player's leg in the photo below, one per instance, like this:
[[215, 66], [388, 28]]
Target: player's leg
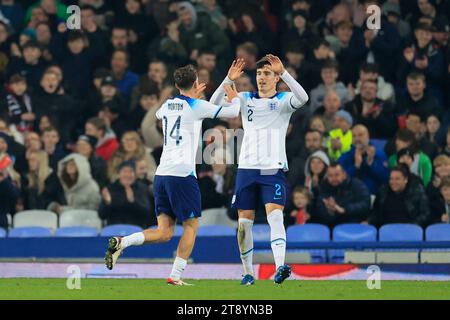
[[116, 245], [273, 191], [245, 243], [185, 200], [184, 249], [244, 200]]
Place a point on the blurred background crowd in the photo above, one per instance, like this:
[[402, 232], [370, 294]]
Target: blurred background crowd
[[77, 125]]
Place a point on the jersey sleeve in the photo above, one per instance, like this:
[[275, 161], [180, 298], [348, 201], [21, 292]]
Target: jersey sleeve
[[205, 110], [288, 103], [158, 113]]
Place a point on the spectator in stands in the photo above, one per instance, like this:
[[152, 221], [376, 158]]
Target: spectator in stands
[[13, 11], [86, 147], [251, 27], [365, 162], [15, 150], [9, 193], [424, 56], [433, 126], [207, 60], [299, 32], [445, 192], [148, 100], [394, 15], [370, 71], [40, 184], [381, 47], [302, 200], [417, 162], [417, 125], [417, 100], [127, 201], [341, 199], [441, 169], [115, 119], [249, 52], [329, 74], [90, 26], [52, 7], [169, 47], [321, 52], [110, 92], [331, 105], [59, 107], [347, 44], [31, 65], [80, 190], [340, 138], [77, 60], [315, 170], [52, 146], [107, 143], [124, 79], [131, 149], [198, 32], [375, 114], [402, 200], [151, 129], [17, 103], [33, 142]]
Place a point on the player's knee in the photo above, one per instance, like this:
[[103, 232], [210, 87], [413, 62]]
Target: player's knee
[[166, 234]]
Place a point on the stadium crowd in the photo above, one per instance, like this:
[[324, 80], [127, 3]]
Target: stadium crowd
[[77, 124]]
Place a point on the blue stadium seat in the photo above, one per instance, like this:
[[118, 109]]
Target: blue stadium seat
[[354, 232], [311, 232], [261, 232], [438, 232], [29, 232], [350, 232], [400, 232], [76, 232], [119, 230], [2, 233], [212, 231], [379, 144]]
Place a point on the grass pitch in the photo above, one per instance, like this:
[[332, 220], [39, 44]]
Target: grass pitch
[[127, 289]]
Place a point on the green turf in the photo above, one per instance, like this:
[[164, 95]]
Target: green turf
[[20, 288]]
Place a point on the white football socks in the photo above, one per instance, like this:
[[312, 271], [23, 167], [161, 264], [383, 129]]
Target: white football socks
[[245, 242], [277, 236], [135, 239], [177, 269]]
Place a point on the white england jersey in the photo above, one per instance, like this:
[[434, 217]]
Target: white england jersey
[[265, 122], [182, 122]]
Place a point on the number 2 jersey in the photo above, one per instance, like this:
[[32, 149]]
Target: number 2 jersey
[[265, 122], [182, 118]]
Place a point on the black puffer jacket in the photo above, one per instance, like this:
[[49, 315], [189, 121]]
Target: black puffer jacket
[[352, 195], [416, 203]]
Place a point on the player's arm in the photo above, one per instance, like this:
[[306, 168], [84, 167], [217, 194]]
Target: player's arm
[[235, 71], [300, 97], [228, 109]]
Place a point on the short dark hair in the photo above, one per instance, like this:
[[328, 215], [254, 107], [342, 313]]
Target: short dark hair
[[185, 77], [335, 164], [403, 169], [369, 68], [250, 47], [17, 77], [88, 7], [319, 42], [330, 64], [405, 135], [206, 51], [32, 44], [414, 75], [262, 62], [50, 129], [98, 123], [313, 131], [75, 35]]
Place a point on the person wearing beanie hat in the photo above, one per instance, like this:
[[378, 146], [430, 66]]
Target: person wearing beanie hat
[[340, 138], [86, 146]]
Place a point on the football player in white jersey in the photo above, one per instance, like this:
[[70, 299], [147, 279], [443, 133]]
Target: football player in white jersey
[[262, 160], [177, 194]]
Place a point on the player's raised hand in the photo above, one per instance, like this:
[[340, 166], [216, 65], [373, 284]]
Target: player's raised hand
[[199, 88], [275, 63], [236, 69], [230, 92]]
